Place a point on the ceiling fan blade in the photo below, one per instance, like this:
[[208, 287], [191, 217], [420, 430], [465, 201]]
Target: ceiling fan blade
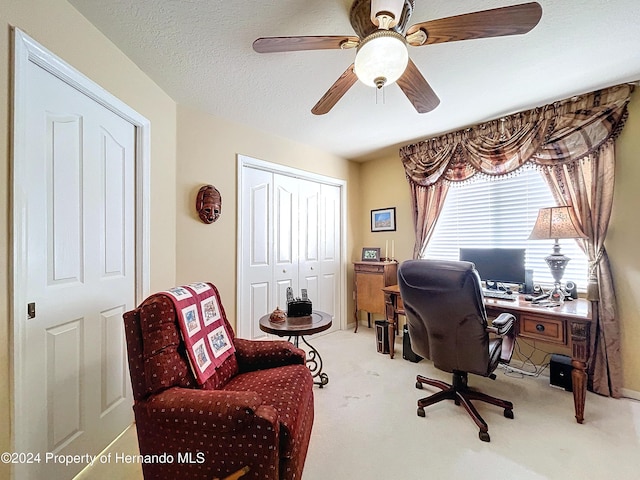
[[296, 44], [335, 92], [417, 90], [497, 22]]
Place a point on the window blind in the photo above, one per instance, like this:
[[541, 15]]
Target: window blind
[[500, 213]]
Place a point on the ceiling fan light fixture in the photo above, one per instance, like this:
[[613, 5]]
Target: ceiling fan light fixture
[[381, 59], [390, 10]]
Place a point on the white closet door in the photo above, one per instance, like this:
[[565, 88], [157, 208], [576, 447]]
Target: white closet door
[[329, 294], [257, 256], [290, 237], [310, 228], [81, 272], [285, 232]]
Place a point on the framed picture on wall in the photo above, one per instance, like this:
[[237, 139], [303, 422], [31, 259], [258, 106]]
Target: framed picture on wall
[[383, 220], [370, 254]]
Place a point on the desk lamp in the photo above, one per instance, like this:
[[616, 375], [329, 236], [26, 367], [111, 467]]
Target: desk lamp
[[556, 223]]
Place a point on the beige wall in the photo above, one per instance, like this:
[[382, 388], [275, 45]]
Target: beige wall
[[622, 243], [384, 185], [61, 29], [207, 151]]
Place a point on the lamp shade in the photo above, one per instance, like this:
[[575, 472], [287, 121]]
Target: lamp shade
[[555, 223], [382, 58]]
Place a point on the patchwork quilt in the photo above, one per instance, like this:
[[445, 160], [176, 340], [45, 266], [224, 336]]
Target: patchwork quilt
[[203, 327]]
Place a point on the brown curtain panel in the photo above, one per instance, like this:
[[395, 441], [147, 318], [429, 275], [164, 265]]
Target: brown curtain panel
[[572, 142], [427, 203], [588, 187]]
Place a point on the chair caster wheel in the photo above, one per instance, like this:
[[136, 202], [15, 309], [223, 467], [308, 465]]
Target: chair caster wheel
[[508, 413], [421, 412], [418, 385], [484, 436]]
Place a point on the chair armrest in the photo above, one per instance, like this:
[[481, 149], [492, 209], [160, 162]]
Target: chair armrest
[[258, 354], [503, 324], [214, 410]]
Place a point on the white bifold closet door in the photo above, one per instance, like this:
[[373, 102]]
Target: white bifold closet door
[[291, 237]]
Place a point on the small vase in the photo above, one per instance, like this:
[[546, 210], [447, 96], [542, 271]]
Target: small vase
[[277, 316]]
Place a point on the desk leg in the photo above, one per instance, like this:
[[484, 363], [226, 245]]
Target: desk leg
[[579, 384], [392, 317], [580, 355], [392, 339]]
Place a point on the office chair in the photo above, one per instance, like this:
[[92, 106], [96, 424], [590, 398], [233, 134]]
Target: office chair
[[447, 323]]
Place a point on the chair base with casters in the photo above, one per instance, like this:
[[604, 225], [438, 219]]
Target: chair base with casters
[[461, 394]]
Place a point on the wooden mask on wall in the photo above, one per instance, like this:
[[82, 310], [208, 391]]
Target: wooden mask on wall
[[209, 203]]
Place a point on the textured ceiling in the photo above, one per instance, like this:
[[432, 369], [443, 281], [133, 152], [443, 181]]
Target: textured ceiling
[[199, 52]]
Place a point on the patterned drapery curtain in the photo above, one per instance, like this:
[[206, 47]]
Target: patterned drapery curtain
[[426, 205], [588, 187], [572, 142]]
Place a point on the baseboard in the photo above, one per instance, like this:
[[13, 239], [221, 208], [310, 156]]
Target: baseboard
[[628, 393]]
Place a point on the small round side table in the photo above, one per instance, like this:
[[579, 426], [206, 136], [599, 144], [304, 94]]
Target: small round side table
[[297, 328]]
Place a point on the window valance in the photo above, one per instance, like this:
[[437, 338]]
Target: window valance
[[552, 135]]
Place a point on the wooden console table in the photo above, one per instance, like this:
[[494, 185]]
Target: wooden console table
[[567, 325], [370, 277]]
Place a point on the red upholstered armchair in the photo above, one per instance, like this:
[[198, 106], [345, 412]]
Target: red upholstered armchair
[[256, 410]]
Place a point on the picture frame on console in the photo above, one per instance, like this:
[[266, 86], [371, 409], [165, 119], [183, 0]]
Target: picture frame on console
[[371, 254]]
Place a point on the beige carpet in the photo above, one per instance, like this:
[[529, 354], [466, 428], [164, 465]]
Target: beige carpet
[[366, 426]]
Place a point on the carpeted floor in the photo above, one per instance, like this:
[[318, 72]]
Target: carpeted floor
[[366, 426]]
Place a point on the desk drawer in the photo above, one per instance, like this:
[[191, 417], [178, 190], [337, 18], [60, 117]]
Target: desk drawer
[[369, 268], [545, 329]]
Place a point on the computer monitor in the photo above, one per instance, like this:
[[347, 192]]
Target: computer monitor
[[497, 265]]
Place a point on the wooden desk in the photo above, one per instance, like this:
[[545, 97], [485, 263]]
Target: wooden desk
[[567, 325]]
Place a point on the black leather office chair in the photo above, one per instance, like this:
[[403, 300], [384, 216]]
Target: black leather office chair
[[447, 322]]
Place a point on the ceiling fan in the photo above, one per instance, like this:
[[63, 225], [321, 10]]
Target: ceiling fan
[[382, 37]]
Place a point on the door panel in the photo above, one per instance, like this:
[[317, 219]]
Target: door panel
[[259, 299], [309, 208], [63, 168], [330, 251], [328, 300], [285, 268], [114, 367], [256, 250], [113, 164], [259, 217], [64, 397]]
